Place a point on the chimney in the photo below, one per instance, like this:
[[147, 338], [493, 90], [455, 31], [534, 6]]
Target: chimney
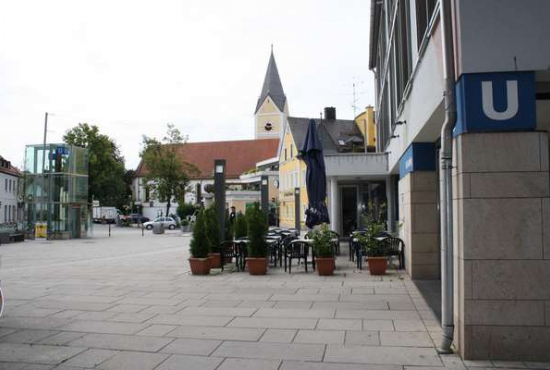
[[330, 113]]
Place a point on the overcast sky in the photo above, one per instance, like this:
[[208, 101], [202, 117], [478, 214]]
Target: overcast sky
[[130, 67]]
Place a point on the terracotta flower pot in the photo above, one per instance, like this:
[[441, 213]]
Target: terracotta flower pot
[[216, 260], [325, 266], [377, 265], [257, 266], [200, 266]]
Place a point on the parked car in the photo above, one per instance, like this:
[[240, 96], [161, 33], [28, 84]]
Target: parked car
[[168, 222], [137, 218]]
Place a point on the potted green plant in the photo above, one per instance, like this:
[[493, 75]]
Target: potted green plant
[[241, 227], [257, 244], [199, 260], [324, 251], [213, 234], [185, 226], [377, 251]]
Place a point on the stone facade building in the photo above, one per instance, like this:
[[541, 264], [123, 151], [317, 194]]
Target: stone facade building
[[500, 191]]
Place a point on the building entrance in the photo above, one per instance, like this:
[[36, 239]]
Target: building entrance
[[349, 209]]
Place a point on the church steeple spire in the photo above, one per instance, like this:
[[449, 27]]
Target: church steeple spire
[[272, 86]]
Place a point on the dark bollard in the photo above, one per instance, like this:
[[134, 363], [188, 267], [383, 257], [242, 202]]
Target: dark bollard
[[109, 230], [141, 230]]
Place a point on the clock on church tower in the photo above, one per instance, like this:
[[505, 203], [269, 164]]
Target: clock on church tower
[[271, 110]]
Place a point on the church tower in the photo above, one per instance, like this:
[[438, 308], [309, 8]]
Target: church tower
[[272, 108]]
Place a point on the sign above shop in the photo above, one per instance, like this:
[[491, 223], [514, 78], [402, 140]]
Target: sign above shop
[[496, 102]]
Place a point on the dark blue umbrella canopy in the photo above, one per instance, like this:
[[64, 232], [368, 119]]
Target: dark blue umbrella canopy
[[316, 179]]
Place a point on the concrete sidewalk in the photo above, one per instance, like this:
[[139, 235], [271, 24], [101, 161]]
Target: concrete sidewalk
[[129, 302]]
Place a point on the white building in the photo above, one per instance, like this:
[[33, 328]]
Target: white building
[[241, 156], [496, 61], [9, 185]]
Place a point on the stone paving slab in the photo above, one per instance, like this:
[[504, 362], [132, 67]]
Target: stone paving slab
[[157, 330], [363, 338], [320, 336], [279, 335], [405, 339], [191, 320], [273, 351], [121, 342], [129, 302], [294, 313], [131, 317], [104, 327], [133, 361], [383, 355], [90, 358], [27, 336], [340, 324], [217, 311], [180, 362], [273, 322], [185, 346], [222, 333], [249, 364], [294, 365], [42, 354]]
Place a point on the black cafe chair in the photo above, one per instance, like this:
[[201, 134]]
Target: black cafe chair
[[230, 250], [297, 249]]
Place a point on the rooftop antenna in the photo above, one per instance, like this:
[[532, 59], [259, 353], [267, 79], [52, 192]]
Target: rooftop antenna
[[355, 93]]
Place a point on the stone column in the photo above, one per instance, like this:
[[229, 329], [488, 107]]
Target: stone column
[[334, 205], [502, 246], [419, 219]]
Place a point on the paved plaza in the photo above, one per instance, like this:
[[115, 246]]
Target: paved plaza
[[129, 302]]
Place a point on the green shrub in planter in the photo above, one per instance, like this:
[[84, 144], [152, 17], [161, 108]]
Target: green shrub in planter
[[184, 222], [322, 242], [200, 245], [374, 225], [257, 230], [241, 227], [212, 229]]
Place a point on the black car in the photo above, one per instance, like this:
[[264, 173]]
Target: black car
[[137, 218]]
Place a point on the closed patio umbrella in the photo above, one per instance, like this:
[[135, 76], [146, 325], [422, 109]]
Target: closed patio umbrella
[[316, 184]]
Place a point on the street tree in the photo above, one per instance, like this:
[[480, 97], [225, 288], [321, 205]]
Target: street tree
[[167, 173], [106, 165]]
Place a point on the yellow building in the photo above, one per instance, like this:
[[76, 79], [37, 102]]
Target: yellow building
[[292, 175], [338, 137], [365, 123]]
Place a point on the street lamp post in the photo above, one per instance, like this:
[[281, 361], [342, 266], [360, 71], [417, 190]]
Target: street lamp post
[[219, 193], [264, 187], [297, 213]]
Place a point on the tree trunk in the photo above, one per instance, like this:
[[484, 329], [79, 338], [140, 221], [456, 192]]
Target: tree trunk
[[167, 208]]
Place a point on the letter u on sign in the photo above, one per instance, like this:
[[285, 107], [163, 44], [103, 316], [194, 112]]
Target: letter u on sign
[[512, 105]]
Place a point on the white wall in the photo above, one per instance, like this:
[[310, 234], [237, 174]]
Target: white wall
[[425, 96], [492, 32], [8, 198]]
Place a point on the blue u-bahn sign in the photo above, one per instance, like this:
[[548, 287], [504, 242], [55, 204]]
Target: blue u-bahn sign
[[496, 102]]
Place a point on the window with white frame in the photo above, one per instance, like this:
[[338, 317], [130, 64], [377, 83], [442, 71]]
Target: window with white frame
[[424, 11], [394, 61]]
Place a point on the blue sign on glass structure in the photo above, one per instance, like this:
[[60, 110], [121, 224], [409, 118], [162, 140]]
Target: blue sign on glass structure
[[418, 157], [502, 101], [63, 150]]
